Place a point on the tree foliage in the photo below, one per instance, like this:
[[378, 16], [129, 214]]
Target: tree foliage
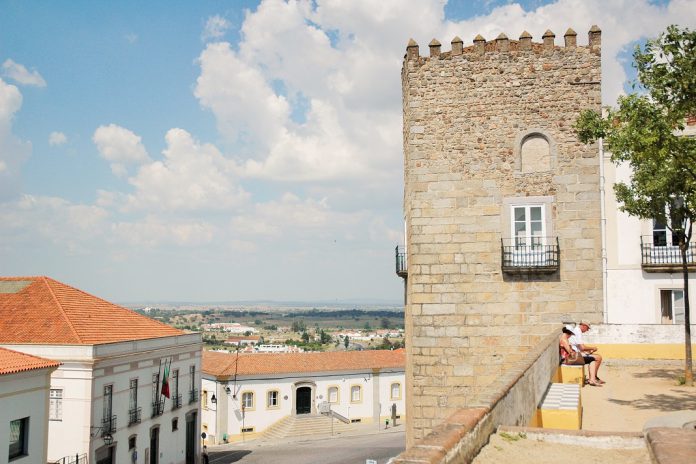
[[645, 132]]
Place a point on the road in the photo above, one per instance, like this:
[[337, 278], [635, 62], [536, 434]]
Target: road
[[338, 450]]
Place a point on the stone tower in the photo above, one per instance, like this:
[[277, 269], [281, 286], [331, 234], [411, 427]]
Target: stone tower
[[502, 209]]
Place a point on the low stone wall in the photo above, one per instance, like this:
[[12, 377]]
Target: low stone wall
[[638, 333], [511, 399], [639, 341]]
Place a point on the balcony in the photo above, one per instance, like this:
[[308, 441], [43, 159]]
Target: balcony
[[193, 395], [176, 401], [665, 258], [134, 416], [542, 256], [157, 408], [401, 264], [108, 425]]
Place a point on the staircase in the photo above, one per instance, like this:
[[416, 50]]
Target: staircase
[[306, 424]]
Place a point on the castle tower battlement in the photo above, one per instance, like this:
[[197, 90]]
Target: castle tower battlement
[[502, 209], [503, 45]]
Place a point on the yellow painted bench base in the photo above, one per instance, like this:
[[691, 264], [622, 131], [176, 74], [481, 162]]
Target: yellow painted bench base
[[558, 419]]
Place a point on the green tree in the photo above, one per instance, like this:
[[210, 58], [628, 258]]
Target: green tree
[[385, 323], [346, 342], [367, 325], [643, 131], [324, 338], [305, 337]]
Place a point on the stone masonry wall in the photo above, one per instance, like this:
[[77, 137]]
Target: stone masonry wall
[[466, 114]]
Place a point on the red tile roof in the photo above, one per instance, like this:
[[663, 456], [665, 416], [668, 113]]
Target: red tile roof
[[223, 364], [14, 361], [40, 310]]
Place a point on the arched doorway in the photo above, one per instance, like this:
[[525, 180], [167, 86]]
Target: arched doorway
[[303, 400]]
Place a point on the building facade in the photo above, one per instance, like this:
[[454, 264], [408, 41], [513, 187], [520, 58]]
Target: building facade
[[643, 264], [244, 395], [24, 410], [502, 209], [106, 398]]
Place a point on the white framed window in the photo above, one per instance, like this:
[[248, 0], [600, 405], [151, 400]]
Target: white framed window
[[248, 400], [333, 395], [55, 406], [355, 394], [396, 391], [662, 236], [272, 399], [672, 306], [528, 226]]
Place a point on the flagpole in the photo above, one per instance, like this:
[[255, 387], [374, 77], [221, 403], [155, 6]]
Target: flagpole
[[159, 390]]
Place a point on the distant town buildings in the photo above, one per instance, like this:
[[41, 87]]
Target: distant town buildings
[[231, 327], [246, 394], [127, 389]]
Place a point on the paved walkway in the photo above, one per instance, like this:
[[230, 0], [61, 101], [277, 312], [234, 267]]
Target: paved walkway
[[635, 393], [362, 442]]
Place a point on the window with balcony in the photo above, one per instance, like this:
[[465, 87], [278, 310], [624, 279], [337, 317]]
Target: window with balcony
[[133, 409], [108, 418], [529, 247]]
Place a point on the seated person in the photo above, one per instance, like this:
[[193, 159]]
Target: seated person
[[569, 356], [588, 352]]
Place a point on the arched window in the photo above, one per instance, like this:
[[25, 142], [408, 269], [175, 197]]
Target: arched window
[[535, 153], [333, 395], [396, 391], [355, 394]]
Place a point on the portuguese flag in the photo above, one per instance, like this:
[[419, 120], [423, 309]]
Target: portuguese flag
[[165, 380]]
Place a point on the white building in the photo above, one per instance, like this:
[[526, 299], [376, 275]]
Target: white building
[[24, 387], [106, 399], [251, 392], [643, 277]]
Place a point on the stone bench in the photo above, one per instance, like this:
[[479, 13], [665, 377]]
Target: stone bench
[[570, 374], [561, 407]]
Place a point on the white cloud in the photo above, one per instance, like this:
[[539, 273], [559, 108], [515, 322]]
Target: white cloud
[[13, 151], [120, 146], [131, 38], [21, 74], [57, 138], [38, 219], [215, 27], [153, 232], [191, 177]]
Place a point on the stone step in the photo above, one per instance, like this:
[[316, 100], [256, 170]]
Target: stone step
[[294, 426]]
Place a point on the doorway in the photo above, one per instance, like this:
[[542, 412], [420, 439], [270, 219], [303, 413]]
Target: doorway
[[303, 400], [154, 445], [191, 438]]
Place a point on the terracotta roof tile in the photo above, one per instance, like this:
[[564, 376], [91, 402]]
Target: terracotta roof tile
[[223, 364], [41, 310], [14, 361]]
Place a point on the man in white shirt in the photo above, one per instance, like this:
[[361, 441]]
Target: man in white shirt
[[588, 352]]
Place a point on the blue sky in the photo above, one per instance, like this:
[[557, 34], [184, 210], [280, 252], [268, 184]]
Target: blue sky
[[208, 151]]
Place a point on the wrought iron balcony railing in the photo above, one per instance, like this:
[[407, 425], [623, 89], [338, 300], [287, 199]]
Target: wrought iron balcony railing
[[108, 425], [157, 408], [536, 255], [134, 416], [664, 258], [176, 401], [193, 395], [401, 264]]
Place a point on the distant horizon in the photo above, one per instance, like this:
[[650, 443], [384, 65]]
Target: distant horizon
[[358, 303]]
